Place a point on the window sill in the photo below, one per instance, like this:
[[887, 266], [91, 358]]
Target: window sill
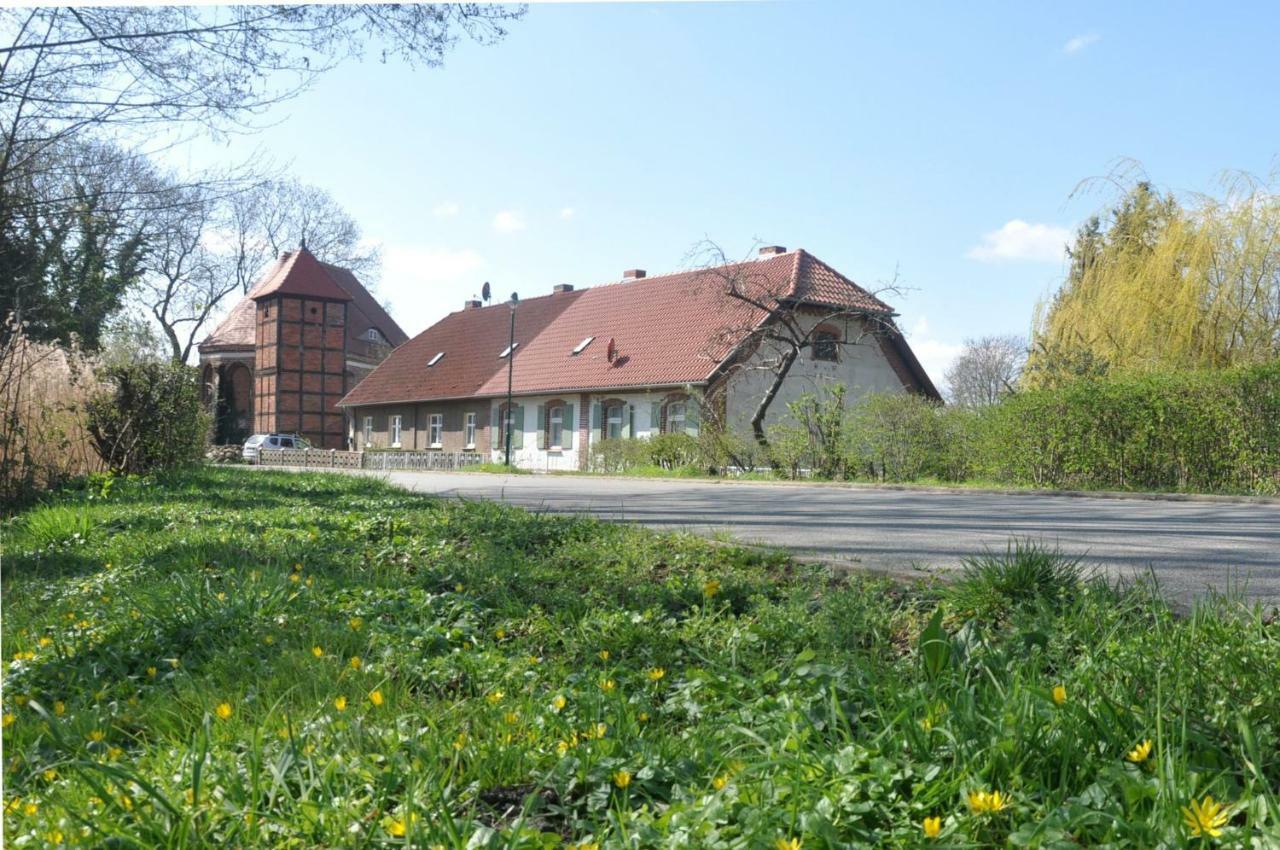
[[436, 446], [395, 445], [469, 447]]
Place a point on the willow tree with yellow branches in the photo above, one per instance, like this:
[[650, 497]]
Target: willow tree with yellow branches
[[1162, 282]]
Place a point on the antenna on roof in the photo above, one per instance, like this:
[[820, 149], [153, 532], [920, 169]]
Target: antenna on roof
[[484, 292]]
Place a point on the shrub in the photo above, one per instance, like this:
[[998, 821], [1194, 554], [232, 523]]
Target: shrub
[[151, 418], [663, 451], [897, 437], [1026, 575]]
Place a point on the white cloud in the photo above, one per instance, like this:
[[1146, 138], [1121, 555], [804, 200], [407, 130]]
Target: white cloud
[[935, 355], [508, 221], [1080, 42], [1022, 240], [424, 283], [566, 213], [445, 209]]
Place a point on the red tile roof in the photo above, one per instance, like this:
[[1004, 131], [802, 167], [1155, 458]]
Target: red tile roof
[[667, 331], [236, 331], [300, 273]]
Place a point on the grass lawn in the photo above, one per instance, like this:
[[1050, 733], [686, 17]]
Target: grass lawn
[[226, 658]]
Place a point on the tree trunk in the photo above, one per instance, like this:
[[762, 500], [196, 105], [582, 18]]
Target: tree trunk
[[762, 409]]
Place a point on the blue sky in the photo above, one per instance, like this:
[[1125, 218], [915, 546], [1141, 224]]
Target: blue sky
[[942, 140]]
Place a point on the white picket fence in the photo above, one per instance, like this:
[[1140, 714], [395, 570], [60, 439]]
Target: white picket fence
[[334, 459]]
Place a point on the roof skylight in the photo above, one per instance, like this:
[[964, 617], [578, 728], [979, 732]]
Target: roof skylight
[[434, 360], [508, 349], [580, 347]]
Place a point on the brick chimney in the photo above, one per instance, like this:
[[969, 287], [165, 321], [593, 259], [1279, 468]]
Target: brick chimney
[[772, 250], [633, 274], [471, 304], [562, 287]]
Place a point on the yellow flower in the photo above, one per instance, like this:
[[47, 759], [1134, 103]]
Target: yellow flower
[[173, 662], [12, 806], [787, 843], [340, 703], [50, 775], [500, 634], [355, 623], [710, 587], [355, 662], [375, 697], [643, 717], [317, 652], [656, 673], [222, 597], [987, 802], [559, 702], [562, 747], [114, 753], [1139, 753], [151, 672], [295, 578], [932, 827], [585, 845], [22, 699], [8, 720], [608, 685], [720, 782], [223, 711], [311, 580], [396, 828], [45, 641], [494, 697], [54, 837], [622, 778], [1205, 817], [1059, 694], [511, 718], [604, 655], [97, 736], [460, 741], [59, 708], [30, 809]]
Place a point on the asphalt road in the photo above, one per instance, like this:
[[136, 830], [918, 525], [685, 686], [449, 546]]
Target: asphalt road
[[1191, 545]]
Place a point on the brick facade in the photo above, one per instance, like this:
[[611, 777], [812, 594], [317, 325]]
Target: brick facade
[[299, 368]]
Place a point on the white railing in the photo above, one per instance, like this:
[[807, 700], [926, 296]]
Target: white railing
[[420, 460], [334, 459]]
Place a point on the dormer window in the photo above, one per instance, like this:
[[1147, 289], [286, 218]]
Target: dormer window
[[507, 351], [375, 335], [582, 346], [434, 360]]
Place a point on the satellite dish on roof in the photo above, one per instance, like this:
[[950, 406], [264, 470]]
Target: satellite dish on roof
[[484, 292], [612, 351]]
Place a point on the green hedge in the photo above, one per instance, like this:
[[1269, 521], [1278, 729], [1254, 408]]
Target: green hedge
[[1196, 431]]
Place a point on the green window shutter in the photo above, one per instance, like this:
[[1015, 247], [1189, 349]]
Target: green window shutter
[[628, 422], [541, 442], [517, 431], [655, 418], [570, 427], [691, 417], [495, 419], [597, 413]]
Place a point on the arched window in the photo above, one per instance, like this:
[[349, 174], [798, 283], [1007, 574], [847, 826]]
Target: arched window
[[826, 344]]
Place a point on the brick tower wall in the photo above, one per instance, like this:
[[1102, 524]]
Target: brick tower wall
[[301, 354]]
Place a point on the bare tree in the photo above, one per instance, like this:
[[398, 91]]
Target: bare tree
[[278, 215], [986, 371], [771, 321], [65, 71]]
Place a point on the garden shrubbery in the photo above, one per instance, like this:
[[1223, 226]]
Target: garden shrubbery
[[150, 417], [1202, 431]]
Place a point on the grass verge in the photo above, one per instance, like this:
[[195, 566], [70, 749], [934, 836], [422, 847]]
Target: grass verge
[[213, 659]]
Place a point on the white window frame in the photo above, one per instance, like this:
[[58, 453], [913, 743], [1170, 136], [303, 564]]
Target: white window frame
[[469, 431], [396, 427], [368, 431], [609, 421], [555, 427], [676, 412], [435, 430]]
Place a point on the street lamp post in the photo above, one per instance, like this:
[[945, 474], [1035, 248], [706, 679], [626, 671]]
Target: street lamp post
[[507, 418]]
